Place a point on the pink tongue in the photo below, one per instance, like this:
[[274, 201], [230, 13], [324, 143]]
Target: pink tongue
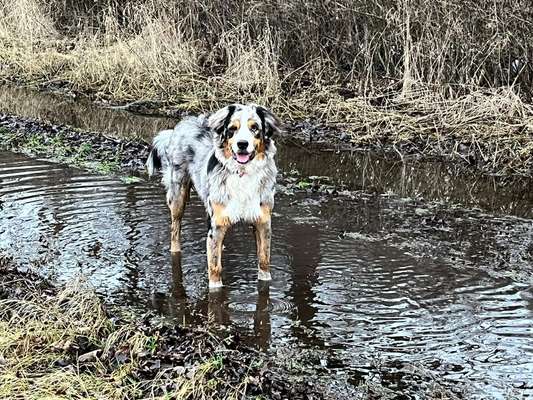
[[243, 158]]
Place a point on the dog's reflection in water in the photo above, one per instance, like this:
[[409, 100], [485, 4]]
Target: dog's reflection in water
[[214, 306], [175, 304], [262, 325]]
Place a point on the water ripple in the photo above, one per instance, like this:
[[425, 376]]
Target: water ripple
[[349, 295]]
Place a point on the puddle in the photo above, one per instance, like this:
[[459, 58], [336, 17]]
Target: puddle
[[363, 279], [79, 113], [396, 274]]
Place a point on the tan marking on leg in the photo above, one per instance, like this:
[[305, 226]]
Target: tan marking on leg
[[262, 239], [266, 214], [219, 215], [215, 240], [263, 246], [177, 207]]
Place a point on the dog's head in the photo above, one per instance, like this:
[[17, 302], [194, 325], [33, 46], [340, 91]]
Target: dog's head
[[244, 132]]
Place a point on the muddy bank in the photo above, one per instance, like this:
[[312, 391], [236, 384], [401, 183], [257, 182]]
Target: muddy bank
[[489, 156], [91, 150], [63, 341]]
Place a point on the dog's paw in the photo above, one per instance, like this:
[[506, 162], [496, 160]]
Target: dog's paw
[[264, 276], [215, 285]]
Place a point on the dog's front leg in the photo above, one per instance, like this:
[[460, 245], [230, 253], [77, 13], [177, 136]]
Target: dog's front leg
[[215, 239], [263, 235]]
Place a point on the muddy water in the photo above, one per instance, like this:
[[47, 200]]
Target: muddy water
[[376, 279], [78, 112], [364, 279]]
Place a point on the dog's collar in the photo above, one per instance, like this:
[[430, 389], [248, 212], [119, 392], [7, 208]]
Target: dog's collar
[[241, 173]]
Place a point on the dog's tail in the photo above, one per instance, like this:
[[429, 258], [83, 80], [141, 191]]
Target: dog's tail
[[153, 163], [158, 156]]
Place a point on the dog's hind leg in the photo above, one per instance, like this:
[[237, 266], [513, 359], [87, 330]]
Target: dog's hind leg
[[176, 204], [263, 235]]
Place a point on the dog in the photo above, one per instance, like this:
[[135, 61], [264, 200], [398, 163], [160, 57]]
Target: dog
[[229, 159]]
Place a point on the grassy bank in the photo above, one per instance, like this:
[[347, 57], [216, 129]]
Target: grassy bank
[[451, 79], [88, 150]]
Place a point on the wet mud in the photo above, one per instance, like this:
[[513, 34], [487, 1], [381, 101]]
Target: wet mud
[[61, 143], [399, 278]]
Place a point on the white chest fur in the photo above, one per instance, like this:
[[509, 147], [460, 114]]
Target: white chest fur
[[244, 201]]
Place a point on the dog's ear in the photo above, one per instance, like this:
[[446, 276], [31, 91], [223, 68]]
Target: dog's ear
[[220, 120], [271, 123]]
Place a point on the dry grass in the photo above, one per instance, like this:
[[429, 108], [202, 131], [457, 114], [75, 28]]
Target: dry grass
[[491, 128], [37, 334], [56, 345], [153, 64], [253, 67], [382, 70], [26, 21]]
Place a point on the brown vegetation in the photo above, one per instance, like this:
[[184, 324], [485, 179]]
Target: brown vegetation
[[61, 343], [384, 70]]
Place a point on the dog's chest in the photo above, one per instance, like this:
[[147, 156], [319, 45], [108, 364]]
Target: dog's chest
[[244, 199]]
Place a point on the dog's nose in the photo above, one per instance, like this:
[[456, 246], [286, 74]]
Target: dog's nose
[[242, 144]]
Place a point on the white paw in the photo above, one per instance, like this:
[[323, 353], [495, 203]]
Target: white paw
[[264, 276], [215, 285]]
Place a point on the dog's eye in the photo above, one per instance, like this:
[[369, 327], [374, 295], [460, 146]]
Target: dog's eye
[[255, 130], [231, 130]]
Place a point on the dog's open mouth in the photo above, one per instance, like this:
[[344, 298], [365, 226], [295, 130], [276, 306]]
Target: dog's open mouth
[[243, 158]]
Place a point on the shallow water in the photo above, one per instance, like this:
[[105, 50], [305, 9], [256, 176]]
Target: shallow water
[[385, 275], [78, 112], [347, 277]]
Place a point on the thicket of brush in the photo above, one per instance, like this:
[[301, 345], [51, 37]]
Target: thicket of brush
[[350, 62], [273, 47]]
